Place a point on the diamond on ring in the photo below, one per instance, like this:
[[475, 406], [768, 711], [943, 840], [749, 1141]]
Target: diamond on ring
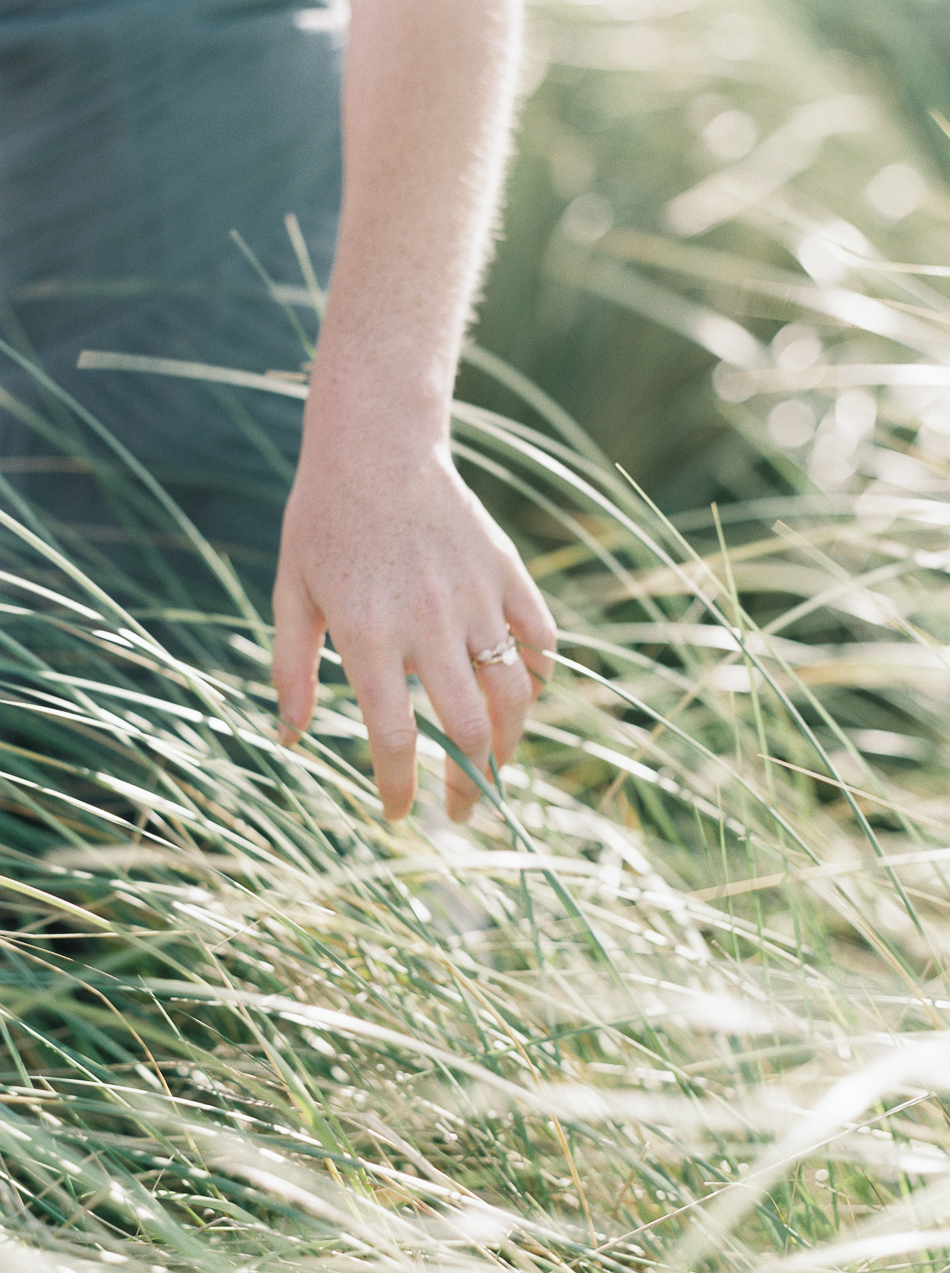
[[506, 651]]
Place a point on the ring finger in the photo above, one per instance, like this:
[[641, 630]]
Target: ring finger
[[508, 690], [456, 697]]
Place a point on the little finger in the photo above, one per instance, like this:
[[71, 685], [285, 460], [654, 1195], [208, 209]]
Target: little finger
[[534, 628]]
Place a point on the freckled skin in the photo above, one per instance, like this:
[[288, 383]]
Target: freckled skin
[[383, 545]]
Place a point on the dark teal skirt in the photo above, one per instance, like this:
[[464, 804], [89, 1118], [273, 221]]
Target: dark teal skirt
[[134, 135]]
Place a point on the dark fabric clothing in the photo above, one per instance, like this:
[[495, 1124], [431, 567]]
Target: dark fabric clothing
[[134, 135]]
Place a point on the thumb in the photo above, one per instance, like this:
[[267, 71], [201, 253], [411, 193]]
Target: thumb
[[299, 630]]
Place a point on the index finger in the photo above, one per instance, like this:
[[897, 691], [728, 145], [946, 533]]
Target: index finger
[[299, 629]]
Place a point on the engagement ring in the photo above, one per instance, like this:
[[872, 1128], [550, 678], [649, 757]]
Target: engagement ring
[[506, 651]]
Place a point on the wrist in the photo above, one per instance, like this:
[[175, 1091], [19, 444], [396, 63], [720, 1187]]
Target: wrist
[[369, 404], [391, 428], [379, 352]]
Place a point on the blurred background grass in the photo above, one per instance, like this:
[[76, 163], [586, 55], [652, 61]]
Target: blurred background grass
[[637, 101]]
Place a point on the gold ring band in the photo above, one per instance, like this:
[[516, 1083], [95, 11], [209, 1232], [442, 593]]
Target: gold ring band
[[506, 651]]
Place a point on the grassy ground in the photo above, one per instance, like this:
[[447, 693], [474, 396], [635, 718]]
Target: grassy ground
[[677, 997]]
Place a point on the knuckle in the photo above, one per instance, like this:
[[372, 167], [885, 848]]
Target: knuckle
[[286, 670], [512, 690], [544, 635], [364, 636], [535, 623], [518, 692], [546, 629], [359, 619], [471, 733], [396, 742], [373, 639], [432, 603]]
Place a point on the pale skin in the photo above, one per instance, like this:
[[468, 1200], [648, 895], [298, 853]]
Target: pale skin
[[383, 545]]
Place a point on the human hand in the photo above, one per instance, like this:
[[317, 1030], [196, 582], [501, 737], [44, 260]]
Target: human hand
[[387, 549]]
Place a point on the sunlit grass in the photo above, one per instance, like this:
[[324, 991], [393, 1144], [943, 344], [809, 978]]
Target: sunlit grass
[[678, 995], [244, 1019]]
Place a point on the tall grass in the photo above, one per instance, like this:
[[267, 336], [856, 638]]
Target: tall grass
[[814, 116], [676, 998]]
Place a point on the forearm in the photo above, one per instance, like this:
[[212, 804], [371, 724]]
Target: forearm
[[428, 104], [383, 545]]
